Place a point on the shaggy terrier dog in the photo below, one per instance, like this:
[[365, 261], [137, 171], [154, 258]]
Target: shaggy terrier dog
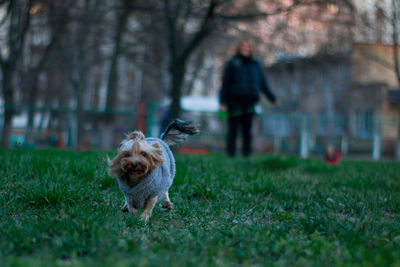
[[145, 167]]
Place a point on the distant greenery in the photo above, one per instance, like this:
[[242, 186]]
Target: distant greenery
[[61, 208]]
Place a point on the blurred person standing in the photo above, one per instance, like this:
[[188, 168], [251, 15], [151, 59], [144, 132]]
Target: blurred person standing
[[243, 80]]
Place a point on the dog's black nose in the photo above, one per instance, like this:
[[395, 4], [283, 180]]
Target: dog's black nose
[[134, 165]]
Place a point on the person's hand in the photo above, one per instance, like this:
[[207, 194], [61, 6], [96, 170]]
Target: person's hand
[[223, 108], [277, 103]]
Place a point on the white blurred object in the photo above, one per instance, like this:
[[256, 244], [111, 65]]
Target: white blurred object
[[200, 103], [205, 104]]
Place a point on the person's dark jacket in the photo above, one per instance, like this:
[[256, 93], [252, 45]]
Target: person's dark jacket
[[243, 80]]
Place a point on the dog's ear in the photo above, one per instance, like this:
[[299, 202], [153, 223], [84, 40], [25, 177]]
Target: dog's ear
[[114, 165], [114, 168], [156, 154], [138, 135]]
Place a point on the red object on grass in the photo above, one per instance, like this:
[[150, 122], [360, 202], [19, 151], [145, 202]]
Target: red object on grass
[[332, 158], [192, 150]]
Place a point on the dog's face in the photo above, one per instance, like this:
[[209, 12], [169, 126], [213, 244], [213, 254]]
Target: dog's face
[[136, 157]]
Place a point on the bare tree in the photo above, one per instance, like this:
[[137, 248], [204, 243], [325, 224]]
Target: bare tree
[[180, 45], [395, 36], [17, 21], [103, 35], [112, 82], [189, 23], [88, 15], [57, 16]]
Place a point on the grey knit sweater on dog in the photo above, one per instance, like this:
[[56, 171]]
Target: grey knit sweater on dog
[[156, 183]]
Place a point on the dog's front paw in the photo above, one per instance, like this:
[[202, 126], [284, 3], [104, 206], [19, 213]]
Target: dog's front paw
[[167, 205], [125, 208], [145, 216]]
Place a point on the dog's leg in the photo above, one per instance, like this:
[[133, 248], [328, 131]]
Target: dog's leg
[[148, 209], [128, 208], [125, 208], [131, 209], [167, 204]]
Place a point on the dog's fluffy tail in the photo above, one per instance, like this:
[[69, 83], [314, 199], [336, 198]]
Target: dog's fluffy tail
[[178, 131]]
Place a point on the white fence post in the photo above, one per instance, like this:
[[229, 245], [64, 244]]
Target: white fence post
[[376, 140], [344, 144], [304, 135]]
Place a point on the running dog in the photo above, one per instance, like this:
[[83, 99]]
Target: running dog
[[145, 167]]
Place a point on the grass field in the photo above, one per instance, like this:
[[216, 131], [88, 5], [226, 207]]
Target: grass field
[[61, 208]]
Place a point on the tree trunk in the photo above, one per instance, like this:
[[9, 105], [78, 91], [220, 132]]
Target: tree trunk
[[112, 84], [8, 96], [79, 84], [395, 41], [79, 115], [177, 72], [80, 88], [198, 65], [19, 21], [395, 37], [29, 137]]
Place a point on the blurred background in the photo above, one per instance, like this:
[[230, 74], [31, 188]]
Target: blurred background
[[81, 73]]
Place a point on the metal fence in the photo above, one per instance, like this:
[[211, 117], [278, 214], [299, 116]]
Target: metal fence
[[306, 134], [280, 132]]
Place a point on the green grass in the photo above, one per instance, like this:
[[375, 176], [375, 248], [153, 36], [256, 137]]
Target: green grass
[[61, 208]]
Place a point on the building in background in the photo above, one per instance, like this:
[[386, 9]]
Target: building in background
[[345, 97]]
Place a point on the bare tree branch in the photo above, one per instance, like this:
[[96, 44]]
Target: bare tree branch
[[395, 35], [171, 25], [263, 15], [204, 30], [7, 14], [17, 35]]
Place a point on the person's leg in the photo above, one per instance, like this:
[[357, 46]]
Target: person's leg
[[231, 136], [246, 121]]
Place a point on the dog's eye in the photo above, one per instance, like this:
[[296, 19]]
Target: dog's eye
[[144, 154], [127, 155]]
